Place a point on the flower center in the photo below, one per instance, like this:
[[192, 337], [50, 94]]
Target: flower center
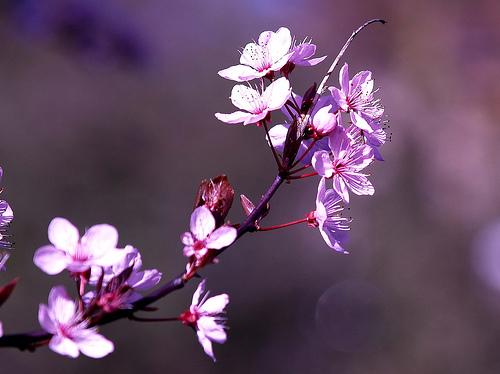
[[189, 318], [199, 245]]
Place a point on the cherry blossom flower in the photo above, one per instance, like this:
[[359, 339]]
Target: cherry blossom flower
[[332, 226], [205, 316], [1, 329], [204, 236], [302, 53], [255, 105], [122, 282], [68, 251], [356, 97], [345, 165], [375, 139], [257, 60], [71, 334]]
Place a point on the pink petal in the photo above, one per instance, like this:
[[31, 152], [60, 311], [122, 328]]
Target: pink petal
[[45, 320], [1, 329], [339, 143], [324, 120], [94, 345], [202, 222], [64, 346], [63, 234], [246, 98], [254, 118], [232, 118], [360, 122], [312, 61], [358, 183], [341, 188], [321, 192], [215, 304], [144, 280], [322, 163], [187, 238], [340, 98], [62, 308], [277, 93], [360, 79], [51, 260], [222, 237], [239, 73], [99, 239]]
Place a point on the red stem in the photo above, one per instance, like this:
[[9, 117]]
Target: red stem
[[302, 176], [276, 227]]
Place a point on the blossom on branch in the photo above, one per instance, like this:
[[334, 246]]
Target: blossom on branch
[[205, 316], [204, 236], [257, 60], [327, 217], [256, 106], [356, 97], [71, 334], [344, 164], [97, 247]]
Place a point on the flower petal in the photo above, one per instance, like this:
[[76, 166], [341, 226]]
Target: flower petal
[[198, 292], [360, 122], [279, 44], [340, 187], [322, 163], [278, 136], [277, 93], [344, 79], [215, 304], [94, 345], [246, 98], [51, 260], [45, 320], [239, 73], [232, 118], [63, 234], [61, 307], [64, 346], [255, 56], [202, 222], [206, 344], [212, 330], [99, 239], [222, 237]]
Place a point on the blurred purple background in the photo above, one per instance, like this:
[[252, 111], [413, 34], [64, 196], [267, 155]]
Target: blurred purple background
[[106, 113]]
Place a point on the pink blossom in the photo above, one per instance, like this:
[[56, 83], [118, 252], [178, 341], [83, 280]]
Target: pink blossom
[[71, 334], [375, 139], [205, 317], [356, 97], [121, 295], [344, 165], [332, 226], [257, 60], [302, 53], [1, 329], [256, 106], [68, 251], [204, 236]]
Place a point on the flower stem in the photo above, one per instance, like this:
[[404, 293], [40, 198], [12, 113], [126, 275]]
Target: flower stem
[[302, 176], [309, 147], [276, 227], [141, 319], [275, 154]]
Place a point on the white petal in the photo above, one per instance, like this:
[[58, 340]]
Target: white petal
[[324, 121], [277, 93], [206, 344], [278, 136], [264, 38], [200, 290], [239, 73], [64, 346], [279, 44], [232, 118], [322, 163], [202, 222], [222, 237], [360, 122], [246, 98], [255, 56], [187, 238], [215, 304], [63, 234], [94, 345], [212, 330], [51, 260], [99, 239]]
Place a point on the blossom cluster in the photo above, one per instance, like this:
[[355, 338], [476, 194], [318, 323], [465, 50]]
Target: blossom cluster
[[344, 128]]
